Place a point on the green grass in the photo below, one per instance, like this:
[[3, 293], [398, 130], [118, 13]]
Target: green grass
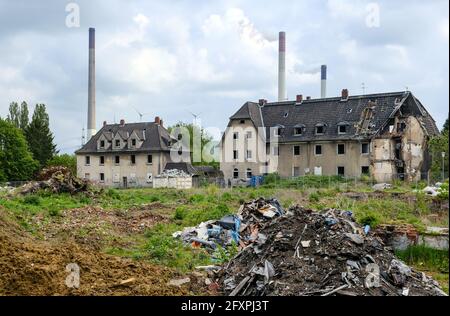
[[429, 260]]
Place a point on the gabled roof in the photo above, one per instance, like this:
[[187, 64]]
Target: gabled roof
[[157, 138], [373, 110]]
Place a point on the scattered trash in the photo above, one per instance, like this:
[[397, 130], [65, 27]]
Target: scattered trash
[[241, 229], [433, 191], [381, 186], [303, 252]]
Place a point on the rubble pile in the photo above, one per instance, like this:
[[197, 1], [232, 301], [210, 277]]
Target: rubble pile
[[174, 173], [241, 229], [57, 180], [304, 253]]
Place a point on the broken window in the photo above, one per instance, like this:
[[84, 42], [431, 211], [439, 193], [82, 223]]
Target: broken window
[[242, 121], [102, 160], [365, 170], [296, 150], [235, 154], [249, 173], [319, 130], [102, 144], [235, 173], [318, 150], [341, 149], [342, 129], [277, 131], [298, 131], [133, 142], [341, 171], [117, 143], [235, 135], [365, 148], [133, 159], [117, 160], [102, 177], [149, 159], [87, 160], [401, 127]]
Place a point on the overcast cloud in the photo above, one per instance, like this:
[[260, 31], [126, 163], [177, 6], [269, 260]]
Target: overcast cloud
[[167, 58]]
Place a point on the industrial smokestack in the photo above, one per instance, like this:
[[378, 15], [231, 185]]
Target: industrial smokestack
[[282, 67], [91, 131], [323, 84]]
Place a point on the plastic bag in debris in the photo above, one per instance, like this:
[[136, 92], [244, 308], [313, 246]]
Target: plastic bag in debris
[[267, 271]]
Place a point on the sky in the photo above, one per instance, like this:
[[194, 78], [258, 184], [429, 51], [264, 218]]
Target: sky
[[175, 58]]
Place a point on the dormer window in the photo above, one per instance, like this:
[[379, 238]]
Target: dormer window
[[102, 144], [320, 129], [133, 142], [277, 130], [117, 143], [299, 130], [343, 127]]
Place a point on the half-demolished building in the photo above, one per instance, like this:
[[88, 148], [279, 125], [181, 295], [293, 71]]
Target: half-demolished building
[[382, 135]]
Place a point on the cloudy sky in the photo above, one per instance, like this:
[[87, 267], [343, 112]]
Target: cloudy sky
[[170, 58]]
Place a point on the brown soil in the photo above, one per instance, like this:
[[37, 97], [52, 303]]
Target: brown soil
[[97, 228], [34, 267]]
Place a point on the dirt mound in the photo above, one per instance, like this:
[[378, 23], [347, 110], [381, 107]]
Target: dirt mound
[[34, 267], [307, 253]]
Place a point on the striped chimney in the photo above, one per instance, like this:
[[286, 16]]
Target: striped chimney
[[91, 129], [323, 81], [282, 67]]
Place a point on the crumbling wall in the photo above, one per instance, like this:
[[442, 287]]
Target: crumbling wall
[[414, 143], [383, 163]]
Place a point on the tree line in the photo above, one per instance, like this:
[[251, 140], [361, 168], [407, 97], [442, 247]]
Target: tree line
[[27, 146]]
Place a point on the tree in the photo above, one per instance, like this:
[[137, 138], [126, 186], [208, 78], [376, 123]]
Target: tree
[[14, 114], [64, 160], [205, 140], [445, 127], [438, 145], [39, 137], [23, 116], [18, 116], [16, 161]]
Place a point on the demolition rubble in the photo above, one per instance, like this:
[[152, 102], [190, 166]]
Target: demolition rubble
[[299, 252], [57, 180]]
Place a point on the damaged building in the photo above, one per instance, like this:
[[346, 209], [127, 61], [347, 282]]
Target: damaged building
[[383, 135]]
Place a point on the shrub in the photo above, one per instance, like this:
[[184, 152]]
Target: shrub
[[271, 178], [314, 197], [32, 200], [196, 198], [54, 212], [112, 193], [180, 213]]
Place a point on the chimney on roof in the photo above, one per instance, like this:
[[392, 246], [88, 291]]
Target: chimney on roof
[[104, 123], [344, 95], [157, 120], [323, 81], [299, 98], [91, 131], [262, 102], [282, 67], [122, 122], [161, 122]]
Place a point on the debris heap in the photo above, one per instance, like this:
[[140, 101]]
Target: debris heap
[[304, 253], [57, 180]]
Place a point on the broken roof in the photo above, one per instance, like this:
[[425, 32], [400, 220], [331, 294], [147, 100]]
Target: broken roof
[[365, 115], [154, 136]]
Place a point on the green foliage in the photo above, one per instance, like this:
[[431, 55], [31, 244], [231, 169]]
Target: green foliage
[[443, 192], [16, 161], [437, 146], [271, 178], [200, 151], [64, 160], [32, 199], [314, 197], [39, 137], [426, 257], [196, 198], [112, 193], [224, 254], [180, 213]]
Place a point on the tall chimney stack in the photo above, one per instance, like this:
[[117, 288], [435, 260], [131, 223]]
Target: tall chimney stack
[[282, 67], [323, 82], [91, 131]]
